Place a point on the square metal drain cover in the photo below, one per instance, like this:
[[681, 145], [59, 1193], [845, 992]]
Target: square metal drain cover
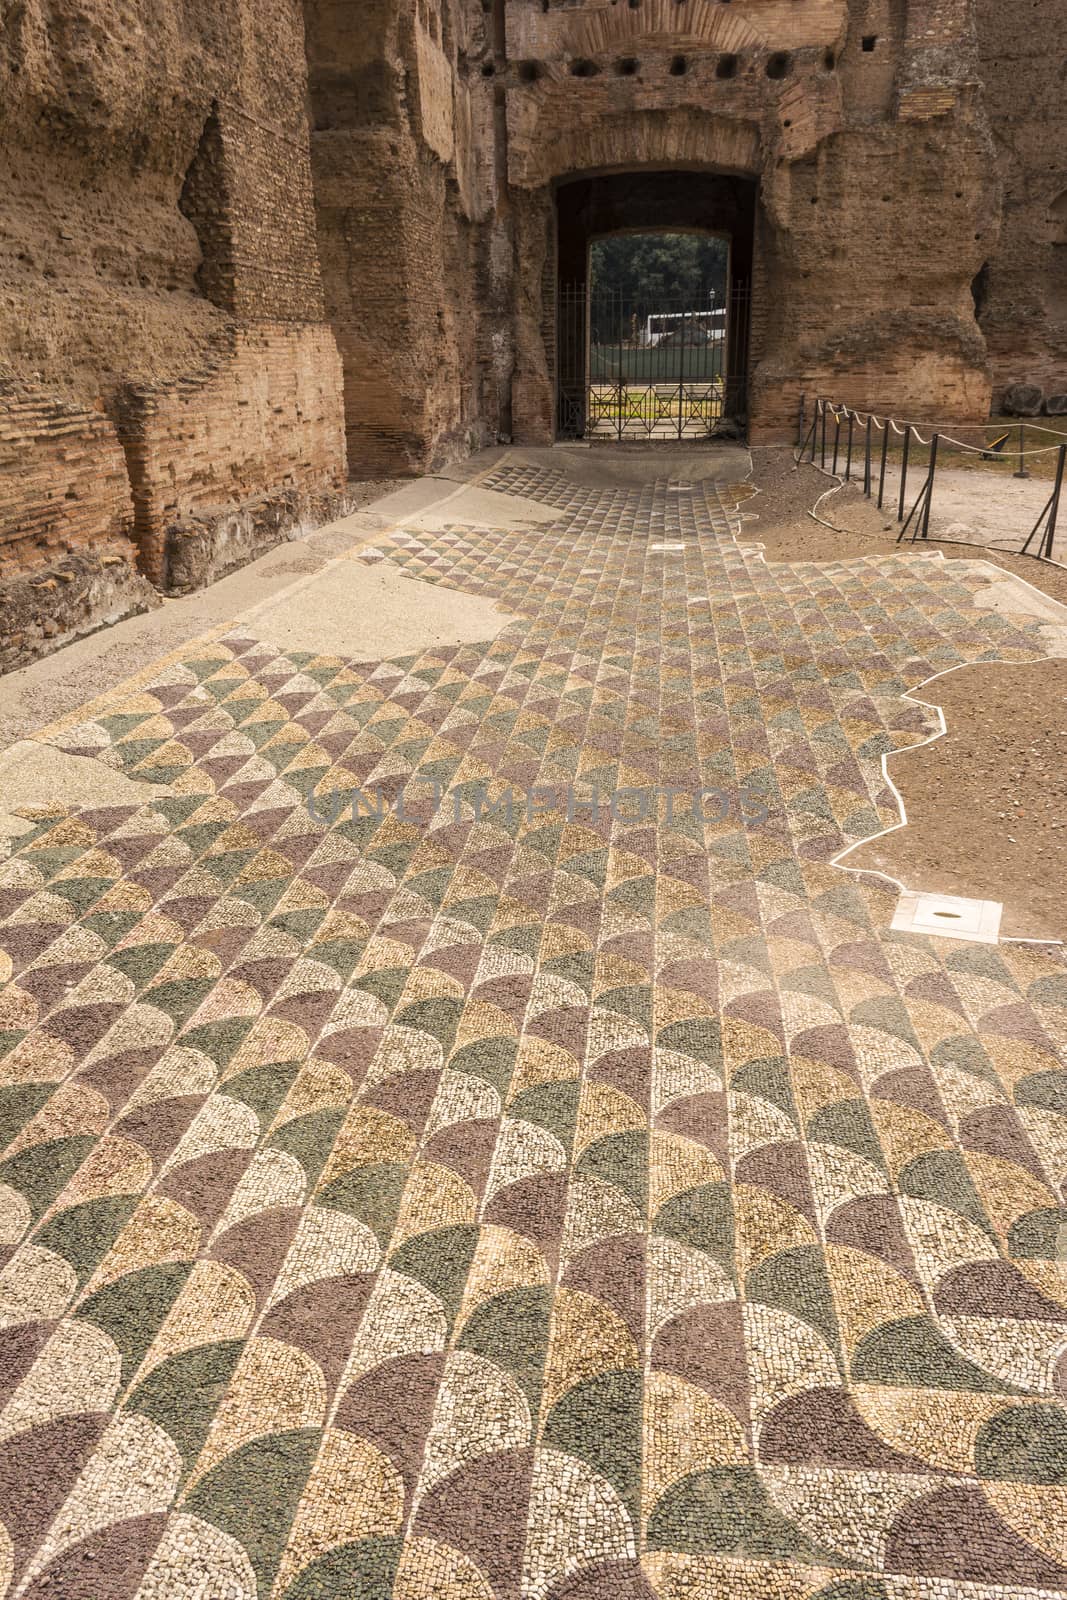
[[949, 917]]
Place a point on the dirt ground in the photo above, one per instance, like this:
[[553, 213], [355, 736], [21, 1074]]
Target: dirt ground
[[364, 491], [1003, 761], [788, 493]]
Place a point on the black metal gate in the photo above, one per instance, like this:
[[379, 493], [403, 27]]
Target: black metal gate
[[632, 367]]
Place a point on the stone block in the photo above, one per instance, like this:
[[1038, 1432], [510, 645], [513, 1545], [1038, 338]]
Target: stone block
[[1023, 400]]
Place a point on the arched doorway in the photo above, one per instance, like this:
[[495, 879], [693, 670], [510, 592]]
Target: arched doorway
[[648, 364]]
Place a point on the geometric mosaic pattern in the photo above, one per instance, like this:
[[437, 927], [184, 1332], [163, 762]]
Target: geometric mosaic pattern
[[473, 1206]]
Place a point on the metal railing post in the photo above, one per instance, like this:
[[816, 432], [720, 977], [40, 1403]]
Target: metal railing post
[[837, 440], [624, 387], [885, 456], [1053, 516], [1046, 522], [904, 472], [1022, 472], [824, 435], [930, 485], [848, 458], [800, 424], [815, 430], [809, 437], [867, 460]]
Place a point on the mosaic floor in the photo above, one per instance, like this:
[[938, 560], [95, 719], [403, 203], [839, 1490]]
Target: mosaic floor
[[572, 1202]]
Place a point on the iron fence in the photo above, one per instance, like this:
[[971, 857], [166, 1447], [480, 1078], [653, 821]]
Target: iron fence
[[845, 441], [649, 367]]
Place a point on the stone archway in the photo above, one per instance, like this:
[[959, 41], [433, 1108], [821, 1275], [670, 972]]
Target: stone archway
[[649, 201], [697, 171], [555, 147]]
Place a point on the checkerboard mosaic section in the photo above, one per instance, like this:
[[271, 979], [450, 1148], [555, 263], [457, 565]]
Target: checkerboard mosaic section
[[479, 1204]]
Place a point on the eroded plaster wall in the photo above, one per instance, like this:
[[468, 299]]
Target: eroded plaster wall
[[861, 123], [157, 251], [1022, 293], [248, 245]]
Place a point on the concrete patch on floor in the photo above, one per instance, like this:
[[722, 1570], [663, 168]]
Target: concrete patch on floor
[[57, 686], [616, 466], [11, 829], [1008, 593], [330, 541], [1056, 642], [411, 499], [369, 613], [35, 776], [483, 508]]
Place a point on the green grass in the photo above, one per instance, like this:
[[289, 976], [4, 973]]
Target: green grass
[[640, 404]]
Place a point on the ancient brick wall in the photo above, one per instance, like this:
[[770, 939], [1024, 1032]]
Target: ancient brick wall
[[63, 481], [248, 195], [1022, 293], [236, 235], [416, 273], [157, 222], [66, 518], [862, 125], [266, 415]]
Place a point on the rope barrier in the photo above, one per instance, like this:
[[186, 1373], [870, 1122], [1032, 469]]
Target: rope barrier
[[989, 450], [843, 413], [986, 450], [1007, 456], [862, 418]]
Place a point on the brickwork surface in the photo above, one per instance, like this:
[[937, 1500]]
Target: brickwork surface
[[1023, 292], [163, 345], [438, 138], [268, 418], [63, 481], [463, 1206], [379, 179]]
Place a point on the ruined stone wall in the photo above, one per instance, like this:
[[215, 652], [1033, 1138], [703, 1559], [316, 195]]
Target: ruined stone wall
[[408, 202], [1022, 293], [274, 399], [235, 234], [155, 206], [862, 123], [441, 134], [63, 481], [66, 516]]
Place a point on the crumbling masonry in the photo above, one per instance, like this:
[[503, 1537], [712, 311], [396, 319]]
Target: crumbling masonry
[[252, 247]]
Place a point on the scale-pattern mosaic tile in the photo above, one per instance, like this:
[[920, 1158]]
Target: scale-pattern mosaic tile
[[474, 1205]]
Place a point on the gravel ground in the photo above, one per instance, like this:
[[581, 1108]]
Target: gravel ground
[[1003, 763], [987, 804], [788, 493], [364, 491]]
